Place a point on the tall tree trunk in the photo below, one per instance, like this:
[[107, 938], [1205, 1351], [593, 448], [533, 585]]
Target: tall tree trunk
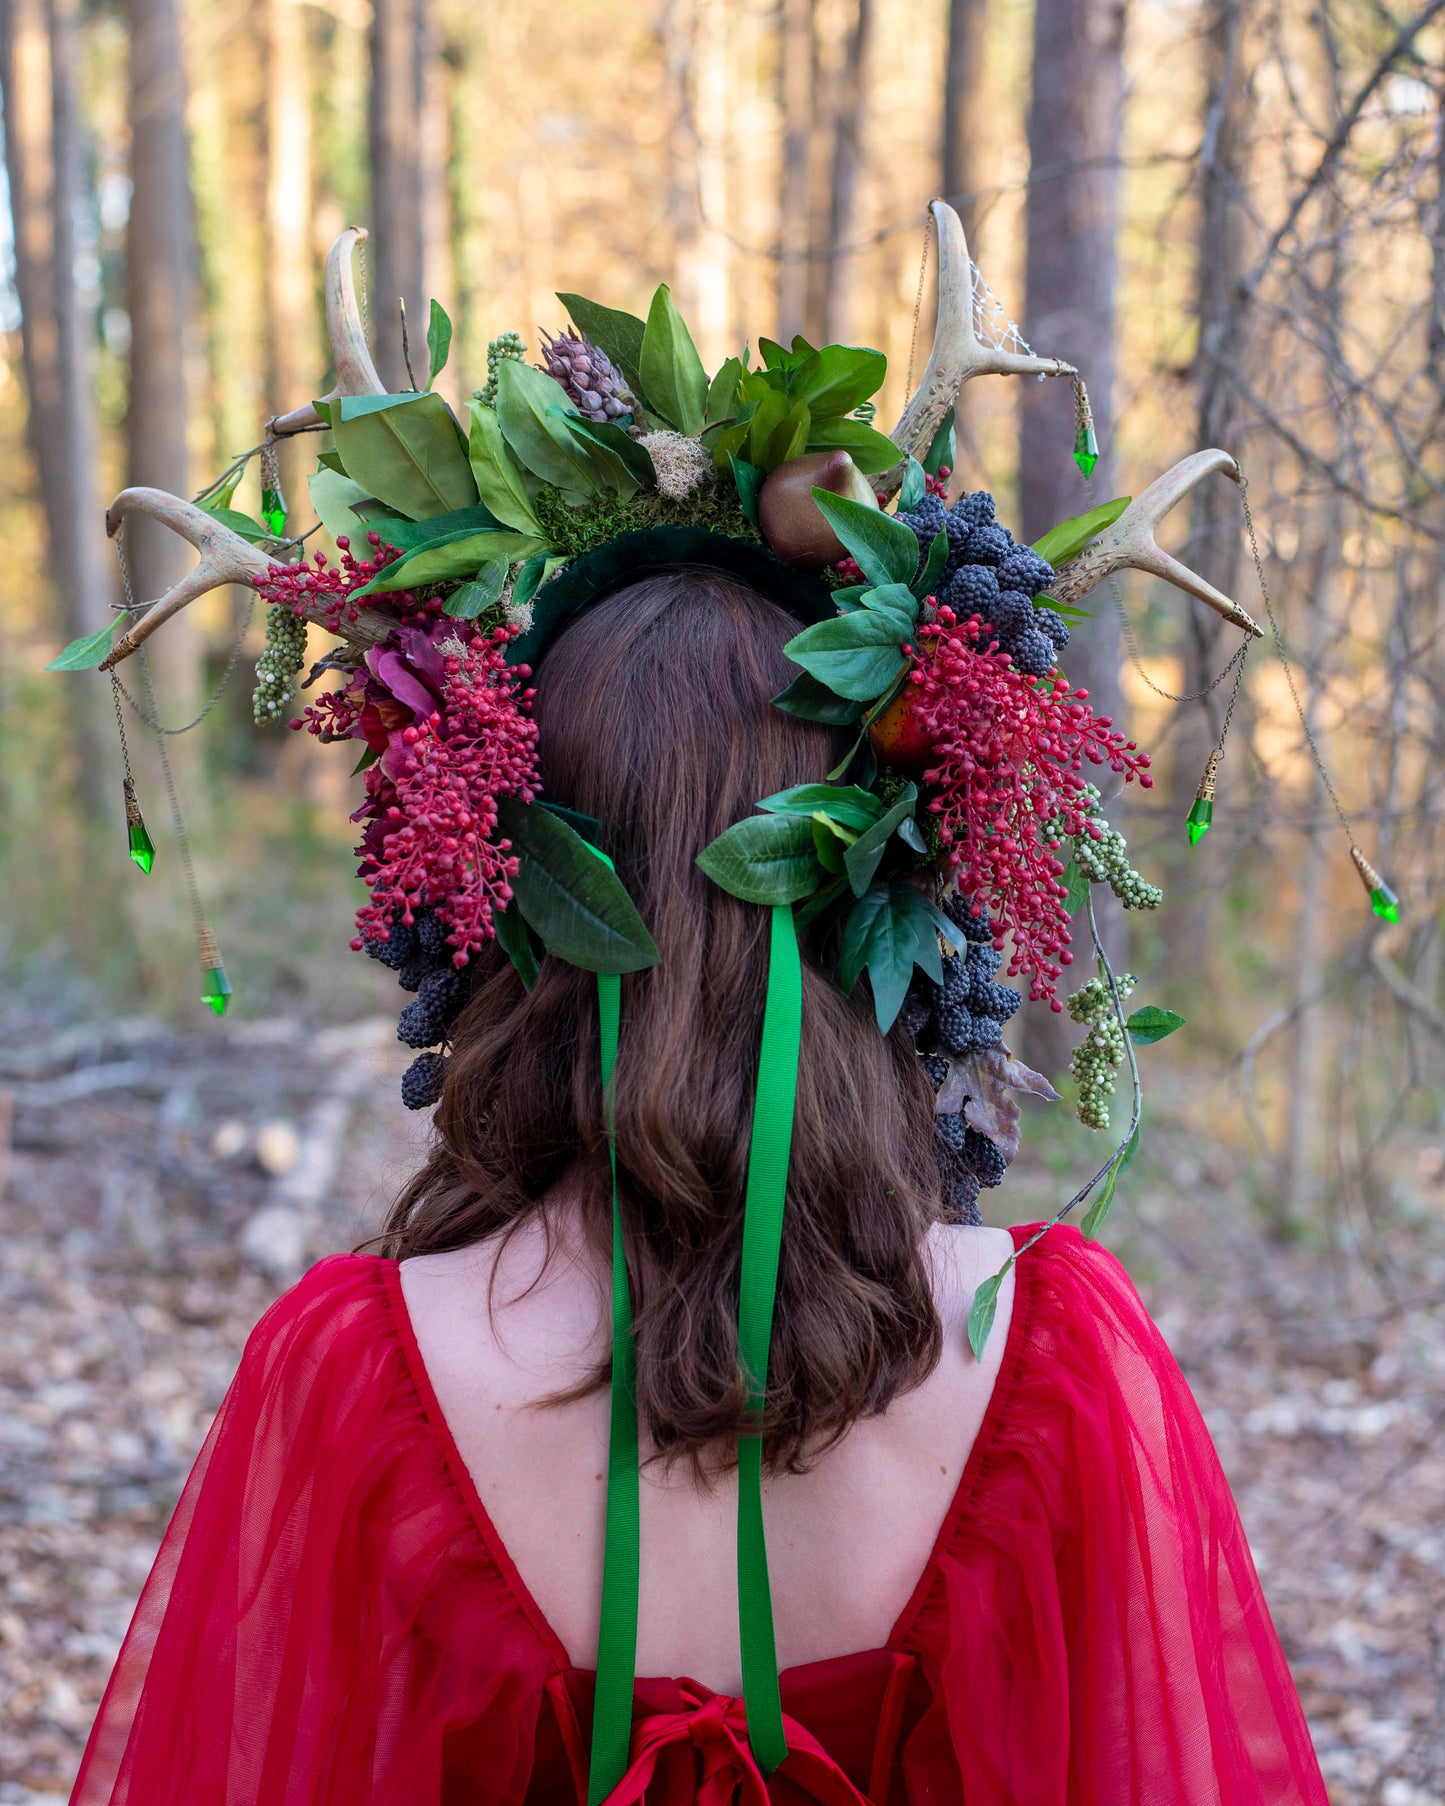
[[399, 40], [294, 364], [1071, 265], [963, 111], [42, 146], [843, 188], [796, 56], [159, 289]]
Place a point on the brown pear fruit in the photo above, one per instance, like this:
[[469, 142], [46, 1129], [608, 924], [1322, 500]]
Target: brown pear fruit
[[793, 524]]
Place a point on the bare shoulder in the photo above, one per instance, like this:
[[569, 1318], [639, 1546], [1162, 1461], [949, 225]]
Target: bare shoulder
[[961, 1257]]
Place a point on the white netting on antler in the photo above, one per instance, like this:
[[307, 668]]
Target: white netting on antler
[[991, 321]]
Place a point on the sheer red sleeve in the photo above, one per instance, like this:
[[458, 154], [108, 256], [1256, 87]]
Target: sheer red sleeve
[[322, 1614], [1094, 1627]]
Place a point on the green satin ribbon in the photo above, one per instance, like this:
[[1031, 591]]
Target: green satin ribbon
[[767, 1184]]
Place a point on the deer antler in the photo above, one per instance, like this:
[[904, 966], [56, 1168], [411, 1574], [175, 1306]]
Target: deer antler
[[355, 372], [958, 353], [1130, 542], [225, 558]]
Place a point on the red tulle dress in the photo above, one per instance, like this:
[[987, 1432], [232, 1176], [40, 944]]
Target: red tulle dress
[[333, 1619]]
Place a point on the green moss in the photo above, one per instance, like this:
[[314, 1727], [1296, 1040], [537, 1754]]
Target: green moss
[[574, 530]]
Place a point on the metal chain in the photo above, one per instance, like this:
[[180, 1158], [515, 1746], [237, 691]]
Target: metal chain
[[178, 824], [1136, 658], [156, 726], [120, 727], [1284, 660], [918, 298]]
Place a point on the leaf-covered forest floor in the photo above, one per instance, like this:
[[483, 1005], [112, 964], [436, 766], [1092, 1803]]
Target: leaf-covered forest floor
[[155, 1187]]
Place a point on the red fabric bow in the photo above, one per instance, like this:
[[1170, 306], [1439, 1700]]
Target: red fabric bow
[[701, 1754]]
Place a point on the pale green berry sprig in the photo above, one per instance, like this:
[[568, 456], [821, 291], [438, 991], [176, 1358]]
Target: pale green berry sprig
[[277, 666], [1103, 860], [1097, 1059], [505, 345]]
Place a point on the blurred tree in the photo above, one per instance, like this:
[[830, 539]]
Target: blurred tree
[[43, 162], [291, 325], [400, 47], [964, 111], [797, 58], [850, 108]]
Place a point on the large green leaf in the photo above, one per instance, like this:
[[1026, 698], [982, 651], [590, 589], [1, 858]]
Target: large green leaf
[[895, 599], [87, 652], [570, 897], [865, 853], [499, 478], [810, 700], [674, 382], [244, 526], [837, 379], [474, 599], [722, 391], [438, 341], [873, 452], [881, 938], [789, 436], [1152, 1024], [765, 419], [456, 555], [766, 859], [409, 535], [618, 334], [1069, 537], [845, 803], [332, 496], [857, 655], [405, 450], [628, 466], [540, 437], [519, 943], [885, 549]]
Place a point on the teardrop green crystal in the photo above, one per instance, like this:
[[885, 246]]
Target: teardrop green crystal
[[1385, 903], [142, 847], [1199, 819], [1086, 450], [273, 511], [216, 991]]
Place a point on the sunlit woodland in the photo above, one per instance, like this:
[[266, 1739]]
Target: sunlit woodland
[[1229, 215]]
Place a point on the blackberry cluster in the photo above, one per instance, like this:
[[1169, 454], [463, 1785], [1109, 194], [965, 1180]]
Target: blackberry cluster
[[988, 575], [421, 956], [1097, 1059], [284, 655], [963, 1015]]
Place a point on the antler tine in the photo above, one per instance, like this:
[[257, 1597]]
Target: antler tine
[[355, 372], [958, 353], [225, 558], [1130, 542]]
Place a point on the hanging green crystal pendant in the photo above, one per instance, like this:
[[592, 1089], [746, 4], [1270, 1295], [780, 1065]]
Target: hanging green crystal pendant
[[273, 512], [1201, 810], [215, 985], [1086, 449], [1383, 900], [142, 847]]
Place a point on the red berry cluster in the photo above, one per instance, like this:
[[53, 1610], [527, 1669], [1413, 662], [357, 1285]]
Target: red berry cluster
[[301, 587], [433, 815], [1010, 751], [937, 484]]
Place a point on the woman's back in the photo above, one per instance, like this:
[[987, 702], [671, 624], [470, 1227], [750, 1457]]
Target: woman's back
[[847, 1539]]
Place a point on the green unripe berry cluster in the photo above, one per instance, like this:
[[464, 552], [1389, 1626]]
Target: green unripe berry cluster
[[1096, 1061], [505, 345], [1104, 861], [277, 666]]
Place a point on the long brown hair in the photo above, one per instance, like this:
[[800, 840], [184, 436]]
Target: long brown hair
[[655, 718]]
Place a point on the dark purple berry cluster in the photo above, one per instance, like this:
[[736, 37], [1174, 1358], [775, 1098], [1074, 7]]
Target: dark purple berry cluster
[[421, 956], [988, 575]]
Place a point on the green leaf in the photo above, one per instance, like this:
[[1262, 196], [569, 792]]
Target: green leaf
[[889, 930], [332, 496], [1104, 1198], [587, 826], [244, 525], [749, 479], [570, 897], [1152, 1024], [618, 334], [983, 1309], [474, 599], [925, 583], [892, 599], [619, 444], [810, 700], [330, 459], [837, 379], [499, 478], [831, 841], [914, 487], [944, 449], [909, 834], [866, 852], [539, 437], [86, 653], [456, 555], [722, 391], [886, 550], [674, 383], [764, 421], [411, 535], [1065, 610], [1077, 885], [405, 450], [518, 942], [789, 436], [873, 452], [438, 340], [368, 758], [530, 578], [612, 473], [857, 655], [845, 803], [1068, 539], [765, 859]]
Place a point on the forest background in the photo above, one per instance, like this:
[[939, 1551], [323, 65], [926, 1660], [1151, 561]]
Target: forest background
[[1229, 215]]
